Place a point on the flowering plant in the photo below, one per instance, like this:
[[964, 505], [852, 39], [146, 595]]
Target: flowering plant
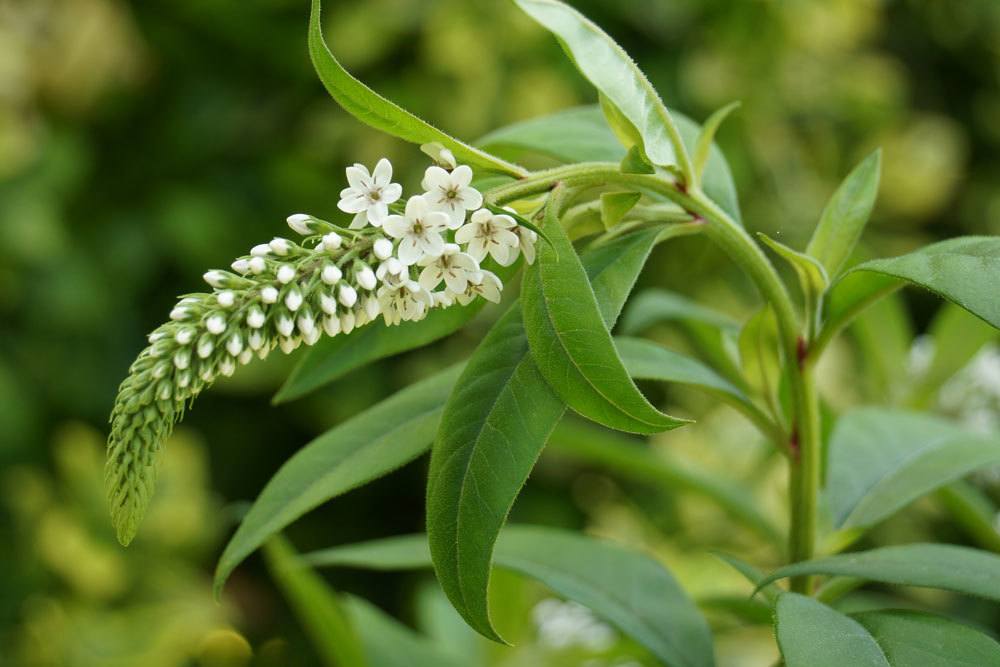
[[405, 271]]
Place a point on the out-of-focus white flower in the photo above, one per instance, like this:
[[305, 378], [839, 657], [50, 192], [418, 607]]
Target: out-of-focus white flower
[[488, 233], [526, 239], [368, 195], [418, 231], [451, 192], [481, 283]]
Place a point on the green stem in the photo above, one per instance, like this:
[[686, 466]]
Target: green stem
[[804, 446]]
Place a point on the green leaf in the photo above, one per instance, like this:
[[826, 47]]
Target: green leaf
[[316, 605], [372, 109], [615, 76], [952, 568], [760, 356], [389, 643], [635, 163], [572, 135], [520, 220], [618, 454], [811, 634], [881, 460], [370, 445], [623, 129], [332, 357], [751, 574], [625, 588], [703, 148], [645, 360], [571, 344], [812, 276], [845, 216], [916, 638], [616, 205], [652, 306], [848, 297], [964, 270], [494, 426]]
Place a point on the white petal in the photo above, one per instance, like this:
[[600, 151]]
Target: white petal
[[505, 237], [408, 251], [468, 231], [456, 281], [353, 204], [436, 221], [382, 173], [470, 198], [392, 192], [504, 221], [462, 175], [377, 213], [359, 177], [360, 220], [435, 177], [477, 249], [397, 226], [417, 207], [432, 244], [431, 277]]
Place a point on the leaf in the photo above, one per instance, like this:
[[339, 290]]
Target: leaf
[[389, 643], [635, 163], [523, 222], [571, 344], [623, 129], [703, 148], [848, 297], [628, 459], [372, 109], [964, 270], [812, 275], [751, 574], [616, 205], [625, 588], [811, 634], [494, 427], [881, 460], [760, 356], [916, 638], [845, 215], [370, 445], [645, 360], [332, 357], [615, 76], [653, 306], [316, 605], [579, 134], [952, 568]]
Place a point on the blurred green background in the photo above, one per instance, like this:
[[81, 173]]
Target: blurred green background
[[144, 142]]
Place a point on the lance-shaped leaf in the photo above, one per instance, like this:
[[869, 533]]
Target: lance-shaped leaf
[[332, 357], [389, 643], [571, 345], [964, 270], [371, 108], [370, 445], [616, 205], [316, 605], [845, 215], [881, 460], [952, 568], [812, 276], [703, 148], [494, 427], [812, 634], [616, 77], [627, 589]]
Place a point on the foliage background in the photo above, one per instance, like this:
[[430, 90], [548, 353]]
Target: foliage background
[[143, 142]]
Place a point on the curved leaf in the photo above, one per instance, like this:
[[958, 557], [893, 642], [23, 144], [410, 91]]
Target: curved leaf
[[645, 360], [945, 566], [881, 460], [494, 426], [964, 270], [628, 589], [811, 634], [571, 344], [706, 139], [915, 638], [616, 77], [316, 605], [370, 445], [579, 134], [371, 108], [845, 215], [389, 643]]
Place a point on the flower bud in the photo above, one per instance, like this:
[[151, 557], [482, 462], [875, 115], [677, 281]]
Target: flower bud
[[269, 294], [293, 299], [255, 340], [182, 358], [260, 250], [331, 274], [255, 318], [227, 366], [241, 265], [312, 337], [286, 274], [246, 356], [235, 344], [347, 322], [257, 265], [205, 346], [285, 325], [216, 278], [331, 325], [179, 313], [332, 241], [347, 295], [366, 278], [226, 299], [299, 222], [215, 324], [288, 345], [382, 248], [306, 324], [327, 304], [184, 336], [280, 246]]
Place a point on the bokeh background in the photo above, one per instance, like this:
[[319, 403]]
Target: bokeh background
[[144, 142]]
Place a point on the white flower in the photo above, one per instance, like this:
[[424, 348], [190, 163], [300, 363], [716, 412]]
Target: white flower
[[369, 194], [299, 222], [419, 231], [408, 301], [382, 248], [257, 265], [481, 283], [280, 246], [451, 193], [452, 266], [391, 270], [260, 250], [332, 241], [487, 233], [526, 239]]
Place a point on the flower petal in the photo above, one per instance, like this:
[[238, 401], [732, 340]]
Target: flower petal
[[466, 233], [353, 204], [396, 226], [461, 176], [358, 177], [382, 173], [456, 281], [431, 277], [377, 213], [408, 251], [469, 198], [436, 221], [416, 207], [431, 243], [435, 177], [502, 236], [392, 192], [360, 220]]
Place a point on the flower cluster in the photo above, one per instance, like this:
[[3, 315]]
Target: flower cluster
[[395, 261]]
